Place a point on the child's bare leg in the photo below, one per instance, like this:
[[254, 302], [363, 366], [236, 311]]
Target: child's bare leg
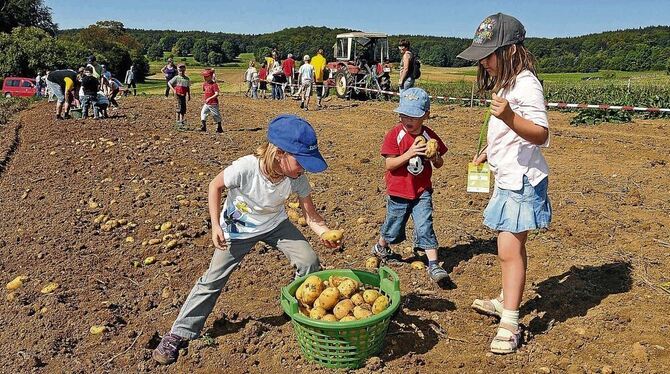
[[512, 255], [431, 254]]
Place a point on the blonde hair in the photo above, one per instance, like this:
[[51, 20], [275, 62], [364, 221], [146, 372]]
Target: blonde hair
[[267, 154], [510, 64]]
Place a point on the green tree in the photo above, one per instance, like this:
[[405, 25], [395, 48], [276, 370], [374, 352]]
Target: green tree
[[141, 65], [155, 52], [200, 50], [26, 13], [229, 50], [215, 58], [183, 46], [26, 50]]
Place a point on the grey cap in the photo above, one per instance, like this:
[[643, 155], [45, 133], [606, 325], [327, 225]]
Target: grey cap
[[495, 31]]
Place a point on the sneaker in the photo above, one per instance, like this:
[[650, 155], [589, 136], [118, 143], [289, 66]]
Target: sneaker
[[168, 349], [385, 254], [302, 105], [436, 273], [219, 129], [203, 128]]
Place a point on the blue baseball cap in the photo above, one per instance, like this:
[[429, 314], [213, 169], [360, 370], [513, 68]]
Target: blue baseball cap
[[414, 102], [296, 136]]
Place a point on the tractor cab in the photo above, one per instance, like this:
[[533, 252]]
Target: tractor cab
[[362, 48]]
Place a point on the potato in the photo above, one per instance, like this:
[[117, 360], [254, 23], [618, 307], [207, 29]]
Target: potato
[[348, 319], [357, 298], [293, 215], [49, 288], [317, 304], [166, 226], [343, 308], [372, 263], [347, 287], [298, 292], [418, 265], [380, 304], [431, 148], [302, 221], [317, 313], [312, 289], [149, 260], [366, 306], [329, 298], [329, 318], [16, 282], [370, 296], [333, 235], [420, 140], [335, 281], [294, 205], [361, 313], [97, 329]]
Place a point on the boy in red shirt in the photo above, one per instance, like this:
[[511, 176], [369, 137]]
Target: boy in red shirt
[[211, 98], [408, 185]]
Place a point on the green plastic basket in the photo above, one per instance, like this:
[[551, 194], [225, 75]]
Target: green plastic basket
[[75, 112], [343, 344]]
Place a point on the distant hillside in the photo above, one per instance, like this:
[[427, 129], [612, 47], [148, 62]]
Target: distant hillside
[[629, 50]]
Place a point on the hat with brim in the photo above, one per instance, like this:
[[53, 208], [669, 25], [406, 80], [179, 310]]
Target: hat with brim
[[414, 102], [476, 53], [296, 136]]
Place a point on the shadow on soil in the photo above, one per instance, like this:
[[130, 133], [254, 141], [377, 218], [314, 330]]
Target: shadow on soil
[[223, 326], [574, 292]]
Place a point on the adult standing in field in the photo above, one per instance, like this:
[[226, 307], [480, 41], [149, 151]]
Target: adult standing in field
[[93, 64], [406, 79], [38, 84], [249, 76], [319, 64], [306, 78], [130, 81], [270, 61], [288, 66], [63, 84], [262, 78], [169, 71]]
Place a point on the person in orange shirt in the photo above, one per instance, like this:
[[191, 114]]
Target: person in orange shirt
[[319, 63]]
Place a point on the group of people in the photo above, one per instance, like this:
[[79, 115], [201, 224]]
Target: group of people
[[92, 86], [284, 79], [258, 185]]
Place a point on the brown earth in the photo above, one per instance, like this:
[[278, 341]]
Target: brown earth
[[592, 303]]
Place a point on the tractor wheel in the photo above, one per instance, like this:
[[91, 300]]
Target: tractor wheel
[[8, 95], [343, 83]]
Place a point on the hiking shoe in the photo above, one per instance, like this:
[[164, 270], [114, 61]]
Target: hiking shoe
[[385, 254], [219, 129], [168, 349], [436, 273]]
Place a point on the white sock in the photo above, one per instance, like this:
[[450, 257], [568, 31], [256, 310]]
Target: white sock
[[509, 317]]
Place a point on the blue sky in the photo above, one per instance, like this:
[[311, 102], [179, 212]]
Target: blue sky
[[433, 17]]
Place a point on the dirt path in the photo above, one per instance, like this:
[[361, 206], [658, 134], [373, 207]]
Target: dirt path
[[590, 303]]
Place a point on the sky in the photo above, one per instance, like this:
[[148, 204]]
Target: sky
[[557, 18]]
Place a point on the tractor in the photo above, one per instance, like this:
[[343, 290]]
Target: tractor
[[361, 61]]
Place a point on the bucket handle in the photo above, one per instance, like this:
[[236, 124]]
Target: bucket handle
[[386, 275], [288, 302]]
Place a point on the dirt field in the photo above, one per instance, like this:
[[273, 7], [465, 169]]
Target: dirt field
[[592, 301]]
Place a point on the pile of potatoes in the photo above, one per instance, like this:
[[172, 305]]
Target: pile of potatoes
[[338, 299]]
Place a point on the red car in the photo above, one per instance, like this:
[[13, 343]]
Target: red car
[[18, 87]]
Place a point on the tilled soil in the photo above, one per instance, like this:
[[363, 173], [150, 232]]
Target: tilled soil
[[593, 301]]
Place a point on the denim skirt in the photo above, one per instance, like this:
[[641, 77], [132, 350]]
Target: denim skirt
[[519, 210]]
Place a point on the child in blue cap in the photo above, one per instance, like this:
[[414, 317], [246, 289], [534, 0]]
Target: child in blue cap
[[258, 186], [408, 184]]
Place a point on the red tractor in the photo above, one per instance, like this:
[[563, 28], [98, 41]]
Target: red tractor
[[361, 65]]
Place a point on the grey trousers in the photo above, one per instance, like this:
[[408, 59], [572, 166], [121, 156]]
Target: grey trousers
[[200, 302]]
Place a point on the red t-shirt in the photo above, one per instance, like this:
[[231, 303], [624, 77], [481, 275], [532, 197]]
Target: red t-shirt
[[401, 182], [262, 74], [210, 89], [288, 65]]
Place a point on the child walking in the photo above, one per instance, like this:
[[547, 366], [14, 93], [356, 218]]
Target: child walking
[[408, 184], [211, 98], [517, 129], [181, 86], [258, 186]]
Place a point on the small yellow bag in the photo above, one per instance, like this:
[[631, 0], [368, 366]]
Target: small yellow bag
[[479, 177]]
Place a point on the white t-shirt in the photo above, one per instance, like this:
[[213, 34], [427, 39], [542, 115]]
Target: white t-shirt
[[254, 204], [306, 73], [509, 155], [248, 76]]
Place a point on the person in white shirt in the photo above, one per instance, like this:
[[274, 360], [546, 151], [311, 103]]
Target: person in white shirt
[[248, 77], [258, 187], [305, 77], [518, 128]]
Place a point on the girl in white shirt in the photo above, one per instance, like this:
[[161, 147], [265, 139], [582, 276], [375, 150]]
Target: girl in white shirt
[[518, 128], [258, 186]]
